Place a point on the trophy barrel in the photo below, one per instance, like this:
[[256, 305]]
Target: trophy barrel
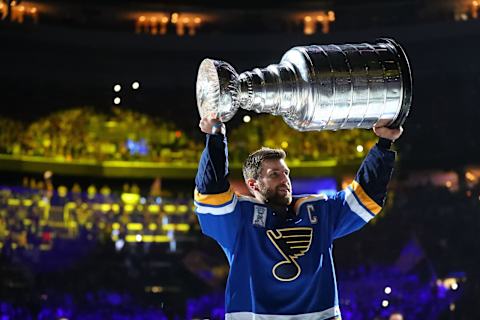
[[350, 86]]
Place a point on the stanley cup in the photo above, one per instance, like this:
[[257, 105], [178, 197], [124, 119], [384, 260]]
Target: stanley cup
[[317, 87]]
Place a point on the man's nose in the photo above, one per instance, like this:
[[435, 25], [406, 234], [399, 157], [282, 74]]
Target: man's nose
[[284, 178]]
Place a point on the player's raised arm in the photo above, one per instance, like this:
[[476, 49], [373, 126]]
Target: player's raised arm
[[216, 203], [364, 198]]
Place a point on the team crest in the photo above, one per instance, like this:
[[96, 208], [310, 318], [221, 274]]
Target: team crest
[[259, 216], [291, 243]]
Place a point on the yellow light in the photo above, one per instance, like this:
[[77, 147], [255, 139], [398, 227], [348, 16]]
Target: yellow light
[[153, 208], [153, 19], [186, 20], [134, 226], [71, 205], [176, 226], [168, 227], [131, 238], [128, 208], [152, 226], [320, 18], [156, 289], [448, 184], [161, 239], [33, 10], [14, 3], [13, 202], [147, 238], [475, 3], [27, 202], [308, 19], [115, 207], [247, 119], [359, 148], [470, 176], [197, 20], [170, 208], [182, 227], [284, 144], [183, 208], [164, 19], [62, 191], [174, 17], [142, 18], [105, 207], [45, 247], [331, 16], [116, 226], [21, 8], [27, 222], [130, 198]]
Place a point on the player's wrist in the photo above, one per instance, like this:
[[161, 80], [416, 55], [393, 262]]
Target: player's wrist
[[219, 128]]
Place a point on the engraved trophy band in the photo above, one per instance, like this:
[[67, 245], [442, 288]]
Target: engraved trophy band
[[317, 87]]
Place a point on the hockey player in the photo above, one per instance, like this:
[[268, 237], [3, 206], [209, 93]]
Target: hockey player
[[279, 246]]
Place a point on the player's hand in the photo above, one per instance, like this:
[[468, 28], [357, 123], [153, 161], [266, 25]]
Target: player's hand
[[387, 133], [207, 123]]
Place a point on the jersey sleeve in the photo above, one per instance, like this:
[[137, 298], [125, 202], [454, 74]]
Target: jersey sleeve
[[364, 198], [216, 205]]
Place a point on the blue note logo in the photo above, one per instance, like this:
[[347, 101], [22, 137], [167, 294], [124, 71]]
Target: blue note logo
[[292, 243]]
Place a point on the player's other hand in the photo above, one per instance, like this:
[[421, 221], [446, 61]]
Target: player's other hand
[[388, 133], [207, 123]]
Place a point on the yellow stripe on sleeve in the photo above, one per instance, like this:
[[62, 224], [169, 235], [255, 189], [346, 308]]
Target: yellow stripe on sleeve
[[214, 199], [364, 198]]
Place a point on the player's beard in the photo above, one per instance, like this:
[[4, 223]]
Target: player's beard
[[275, 197]]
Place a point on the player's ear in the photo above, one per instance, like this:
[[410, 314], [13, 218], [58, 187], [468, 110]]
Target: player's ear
[[252, 184]]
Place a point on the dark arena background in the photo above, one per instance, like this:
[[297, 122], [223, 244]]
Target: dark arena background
[[99, 144]]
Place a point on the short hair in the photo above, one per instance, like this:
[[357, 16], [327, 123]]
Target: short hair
[[253, 164]]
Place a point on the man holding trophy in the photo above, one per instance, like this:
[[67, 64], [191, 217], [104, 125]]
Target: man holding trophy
[[279, 246]]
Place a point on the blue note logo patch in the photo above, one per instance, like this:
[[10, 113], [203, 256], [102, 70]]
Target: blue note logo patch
[[292, 243]]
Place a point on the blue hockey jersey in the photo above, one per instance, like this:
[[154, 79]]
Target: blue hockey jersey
[[283, 268]]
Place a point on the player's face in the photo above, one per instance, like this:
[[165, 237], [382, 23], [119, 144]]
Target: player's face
[[274, 182]]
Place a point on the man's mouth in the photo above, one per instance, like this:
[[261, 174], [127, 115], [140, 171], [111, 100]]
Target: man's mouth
[[284, 189]]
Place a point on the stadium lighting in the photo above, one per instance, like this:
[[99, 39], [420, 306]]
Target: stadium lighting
[[359, 148], [454, 286], [247, 119], [117, 88], [388, 290], [135, 85], [385, 303], [117, 100]]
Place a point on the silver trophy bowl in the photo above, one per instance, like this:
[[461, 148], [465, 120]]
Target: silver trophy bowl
[[317, 87]]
